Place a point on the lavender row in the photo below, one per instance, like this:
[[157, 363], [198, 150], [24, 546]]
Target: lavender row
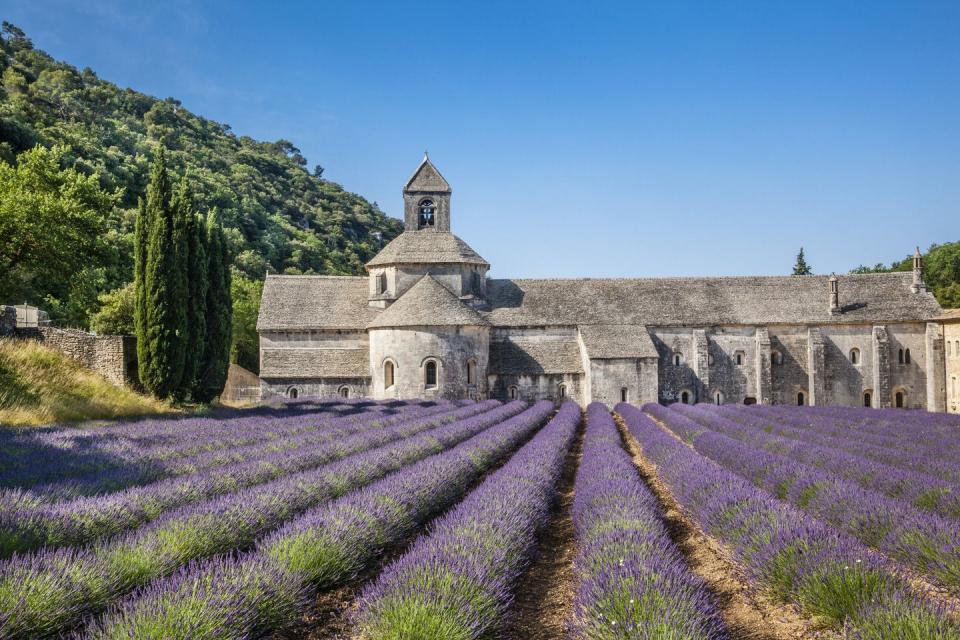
[[125, 478], [43, 593], [266, 590], [923, 541], [920, 490], [85, 520], [798, 558], [819, 428], [89, 463], [632, 580], [457, 581]]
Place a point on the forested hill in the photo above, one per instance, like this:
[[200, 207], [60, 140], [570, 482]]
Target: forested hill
[[279, 215]]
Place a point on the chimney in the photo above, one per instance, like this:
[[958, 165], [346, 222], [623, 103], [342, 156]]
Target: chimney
[[834, 296], [918, 285]]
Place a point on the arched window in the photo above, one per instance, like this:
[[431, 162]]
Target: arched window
[[513, 392], [867, 398], [718, 398], [685, 397], [471, 371], [293, 393], [776, 358], [854, 356], [738, 357], [430, 373], [562, 390], [953, 385], [388, 374], [344, 391], [624, 395], [899, 399], [426, 213], [677, 359], [801, 398], [900, 356], [907, 356], [710, 359], [949, 344], [381, 282]]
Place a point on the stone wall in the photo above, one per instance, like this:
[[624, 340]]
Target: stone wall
[[314, 388], [544, 386], [951, 335], [113, 357], [8, 320], [636, 377]]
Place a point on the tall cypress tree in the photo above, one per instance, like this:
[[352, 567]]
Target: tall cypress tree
[[216, 357], [164, 285], [197, 266], [141, 237]]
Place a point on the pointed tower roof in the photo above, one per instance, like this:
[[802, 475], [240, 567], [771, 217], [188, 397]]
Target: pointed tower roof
[[427, 303], [427, 178], [427, 247]]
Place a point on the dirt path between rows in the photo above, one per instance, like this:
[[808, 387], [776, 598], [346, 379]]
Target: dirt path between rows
[[544, 595], [747, 611]]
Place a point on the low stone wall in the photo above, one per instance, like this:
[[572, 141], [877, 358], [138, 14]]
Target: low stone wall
[[113, 357], [8, 320]]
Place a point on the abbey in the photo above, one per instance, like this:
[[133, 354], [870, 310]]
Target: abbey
[[427, 322]]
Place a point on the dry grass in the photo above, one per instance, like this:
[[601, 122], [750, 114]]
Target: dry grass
[[39, 386]]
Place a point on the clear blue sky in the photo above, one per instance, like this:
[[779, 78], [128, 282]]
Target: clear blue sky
[[582, 139]]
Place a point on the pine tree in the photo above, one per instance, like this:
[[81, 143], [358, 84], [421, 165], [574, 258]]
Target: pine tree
[[801, 268], [219, 309], [197, 266], [164, 326]]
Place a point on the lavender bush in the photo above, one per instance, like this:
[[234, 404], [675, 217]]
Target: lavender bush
[[632, 580], [456, 581], [39, 597], [802, 560], [319, 550], [30, 526]]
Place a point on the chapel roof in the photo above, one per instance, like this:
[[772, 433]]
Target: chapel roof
[[520, 355], [312, 363], [427, 178], [292, 303], [611, 341], [747, 300], [427, 247], [427, 303]]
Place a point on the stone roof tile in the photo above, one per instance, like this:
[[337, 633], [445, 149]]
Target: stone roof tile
[[611, 341], [314, 302], [427, 303], [315, 363], [529, 356], [427, 247]]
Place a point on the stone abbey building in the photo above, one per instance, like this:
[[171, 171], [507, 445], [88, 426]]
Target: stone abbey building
[[427, 322]]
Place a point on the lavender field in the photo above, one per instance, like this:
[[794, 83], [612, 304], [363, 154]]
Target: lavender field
[[461, 520]]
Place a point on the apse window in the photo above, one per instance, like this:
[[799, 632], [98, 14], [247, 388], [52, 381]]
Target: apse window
[[854, 356], [427, 214], [430, 374], [344, 392], [685, 397], [471, 372], [513, 393], [801, 399], [562, 390], [677, 359], [388, 374]]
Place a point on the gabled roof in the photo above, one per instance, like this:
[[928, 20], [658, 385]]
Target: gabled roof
[[427, 178], [292, 303], [749, 300], [315, 363], [427, 247], [612, 341], [529, 356], [427, 303]]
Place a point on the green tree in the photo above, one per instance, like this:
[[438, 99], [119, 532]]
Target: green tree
[[246, 307], [116, 313], [801, 268], [196, 267], [50, 223], [161, 369], [140, 242], [216, 357]]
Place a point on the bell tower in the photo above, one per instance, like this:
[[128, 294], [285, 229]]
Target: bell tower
[[426, 199]]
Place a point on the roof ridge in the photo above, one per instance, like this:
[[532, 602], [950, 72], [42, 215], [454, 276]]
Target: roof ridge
[[900, 274]]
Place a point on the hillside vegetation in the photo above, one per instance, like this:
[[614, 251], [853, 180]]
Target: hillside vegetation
[[278, 215], [39, 385], [941, 271]]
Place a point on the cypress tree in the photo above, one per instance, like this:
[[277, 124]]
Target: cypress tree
[[141, 236], [219, 308], [164, 285], [196, 298]]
